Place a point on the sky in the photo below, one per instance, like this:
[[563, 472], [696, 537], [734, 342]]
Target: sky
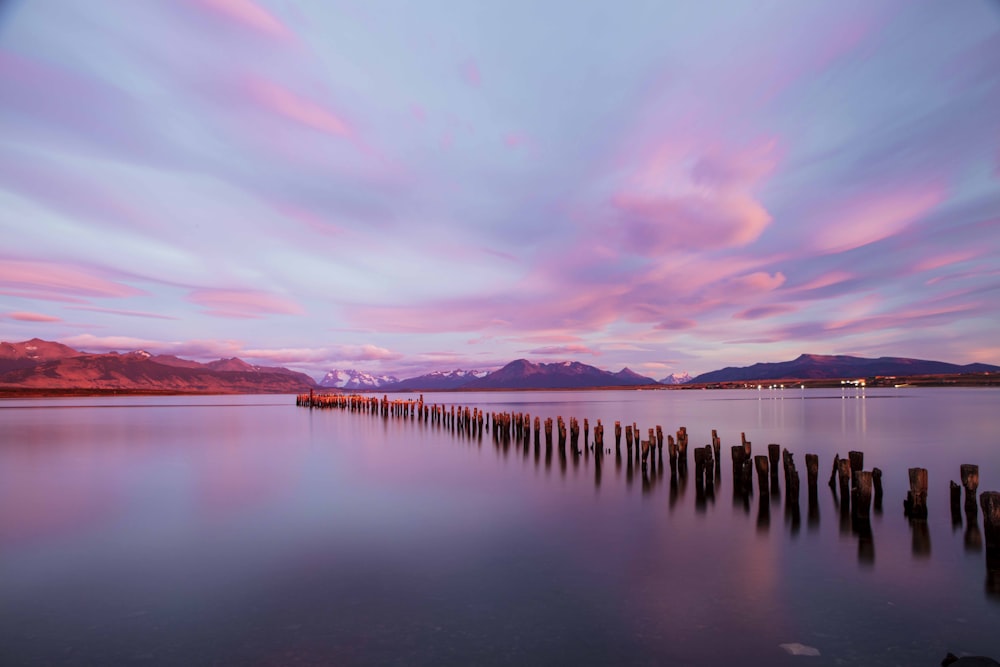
[[402, 187]]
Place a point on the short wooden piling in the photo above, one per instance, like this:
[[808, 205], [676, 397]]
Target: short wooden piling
[[857, 460], [761, 463], [773, 455], [970, 480], [990, 502], [812, 471], [955, 495], [844, 474], [915, 505], [861, 495], [877, 483]]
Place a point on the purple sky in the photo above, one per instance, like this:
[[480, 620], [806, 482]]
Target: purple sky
[[411, 186]]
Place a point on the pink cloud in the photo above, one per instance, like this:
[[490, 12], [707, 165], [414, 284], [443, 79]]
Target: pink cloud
[[826, 280], [469, 72], [656, 225], [763, 312], [248, 14], [197, 349], [556, 350], [323, 355], [46, 280], [946, 259], [126, 313], [418, 113], [675, 325], [873, 217], [291, 106], [22, 316], [690, 194], [243, 303]]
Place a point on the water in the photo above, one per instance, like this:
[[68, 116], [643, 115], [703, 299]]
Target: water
[[244, 530]]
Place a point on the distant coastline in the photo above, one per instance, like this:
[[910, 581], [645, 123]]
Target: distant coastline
[[915, 381]]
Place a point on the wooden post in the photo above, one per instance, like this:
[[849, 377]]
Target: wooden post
[[857, 460], [877, 483], [915, 505], [618, 435], [861, 495], [970, 480], [844, 473], [833, 473], [760, 462], [990, 502], [773, 454], [812, 471], [955, 492]]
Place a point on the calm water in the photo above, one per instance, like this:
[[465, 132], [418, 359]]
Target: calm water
[[244, 530]]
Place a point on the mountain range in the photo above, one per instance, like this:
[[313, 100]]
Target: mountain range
[[832, 367], [37, 365], [41, 366]]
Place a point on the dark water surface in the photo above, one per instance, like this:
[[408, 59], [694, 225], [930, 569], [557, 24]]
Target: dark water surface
[[247, 531]]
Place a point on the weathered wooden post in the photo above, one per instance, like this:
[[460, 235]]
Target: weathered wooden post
[[746, 476], [773, 455], [955, 494], [628, 438], [861, 495], [970, 480], [672, 453], [761, 463], [857, 460], [877, 483], [699, 465], [812, 471], [833, 473], [844, 474], [618, 436], [990, 502], [682, 447], [739, 456], [915, 505]]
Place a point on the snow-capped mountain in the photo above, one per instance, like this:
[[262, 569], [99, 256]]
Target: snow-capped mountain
[[354, 379], [676, 378], [439, 380]]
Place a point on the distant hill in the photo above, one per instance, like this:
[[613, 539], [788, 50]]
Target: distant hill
[[41, 365], [523, 374], [818, 367]]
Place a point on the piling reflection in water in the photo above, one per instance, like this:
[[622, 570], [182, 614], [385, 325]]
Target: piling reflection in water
[[853, 489]]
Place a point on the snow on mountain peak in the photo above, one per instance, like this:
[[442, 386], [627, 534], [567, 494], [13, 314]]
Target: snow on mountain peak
[[355, 379], [676, 378]]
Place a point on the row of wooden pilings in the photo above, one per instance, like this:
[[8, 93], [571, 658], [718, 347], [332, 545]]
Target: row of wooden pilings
[[859, 489]]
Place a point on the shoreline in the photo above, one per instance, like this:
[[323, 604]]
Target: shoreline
[[915, 381]]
